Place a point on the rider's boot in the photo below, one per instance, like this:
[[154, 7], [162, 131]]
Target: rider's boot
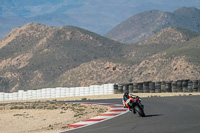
[[129, 108]]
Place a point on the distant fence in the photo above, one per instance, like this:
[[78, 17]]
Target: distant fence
[[159, 87], [106, 89], [58, 92]]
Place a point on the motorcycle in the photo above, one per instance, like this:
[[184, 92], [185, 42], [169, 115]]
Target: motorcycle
[[135, 104]]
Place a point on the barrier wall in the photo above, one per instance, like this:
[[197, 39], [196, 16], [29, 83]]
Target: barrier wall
[[159, 87], [106, 89], [58, 92]]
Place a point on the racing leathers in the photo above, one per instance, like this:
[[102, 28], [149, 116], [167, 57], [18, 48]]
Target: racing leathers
[[125, 98]]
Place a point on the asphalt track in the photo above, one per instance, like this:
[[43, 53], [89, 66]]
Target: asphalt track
[[163, 115]]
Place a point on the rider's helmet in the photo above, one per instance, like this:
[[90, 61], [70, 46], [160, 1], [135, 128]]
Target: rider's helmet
[[126, 94]]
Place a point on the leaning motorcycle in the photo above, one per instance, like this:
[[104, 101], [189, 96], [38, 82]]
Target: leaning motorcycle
[[135, 104]]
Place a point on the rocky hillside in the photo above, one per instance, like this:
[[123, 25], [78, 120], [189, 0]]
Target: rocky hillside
[[171, 54], [144, 25], [35, 54], [101, 72], [170, 36], [177, 59], [190, 50], [163, 40]]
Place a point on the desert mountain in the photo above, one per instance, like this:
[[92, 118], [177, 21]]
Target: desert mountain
[[35, 54], [163, 40], [101, 72], [171, 54], [144, 25], [190, 50], [170, 36]]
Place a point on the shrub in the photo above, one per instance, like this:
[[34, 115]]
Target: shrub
[[84, 98]]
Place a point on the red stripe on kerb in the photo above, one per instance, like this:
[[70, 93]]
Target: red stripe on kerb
[[118, 110], [95, 119], [77, 125], [110, 114]]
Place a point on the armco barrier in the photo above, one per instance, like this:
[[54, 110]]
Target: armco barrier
[[58, 92]]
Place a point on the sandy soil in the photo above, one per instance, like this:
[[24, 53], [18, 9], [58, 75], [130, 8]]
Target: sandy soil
[[27, 118], [14, 119]]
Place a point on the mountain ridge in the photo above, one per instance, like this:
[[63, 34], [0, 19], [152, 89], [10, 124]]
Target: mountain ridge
[[163, 40], [143, 25], [86, 14], [174, 36], [38, 56]]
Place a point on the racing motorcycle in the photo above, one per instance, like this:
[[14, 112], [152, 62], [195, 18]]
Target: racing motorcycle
[[135, 104]]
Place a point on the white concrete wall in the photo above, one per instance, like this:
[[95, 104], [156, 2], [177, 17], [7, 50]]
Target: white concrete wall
[[58, 92]]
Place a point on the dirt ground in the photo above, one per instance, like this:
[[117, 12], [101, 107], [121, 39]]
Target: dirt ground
[[52, 117], [44, 117]]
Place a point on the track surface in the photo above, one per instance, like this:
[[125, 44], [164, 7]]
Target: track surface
[[163, 115]]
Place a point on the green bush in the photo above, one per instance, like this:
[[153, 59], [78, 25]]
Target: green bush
[[84, 99]]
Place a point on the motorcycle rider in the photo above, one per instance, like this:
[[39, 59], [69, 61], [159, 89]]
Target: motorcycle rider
[[126, 96]]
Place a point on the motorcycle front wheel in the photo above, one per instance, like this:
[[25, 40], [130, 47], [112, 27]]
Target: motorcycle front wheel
[[140, 111]]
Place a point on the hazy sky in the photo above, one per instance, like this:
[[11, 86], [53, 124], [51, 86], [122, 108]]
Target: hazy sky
[[95, 15]]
